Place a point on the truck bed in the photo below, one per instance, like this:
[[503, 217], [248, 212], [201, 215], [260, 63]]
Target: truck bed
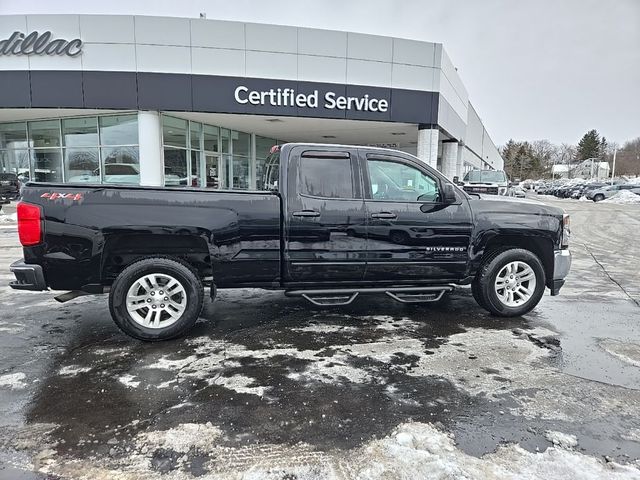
[[92, 230]]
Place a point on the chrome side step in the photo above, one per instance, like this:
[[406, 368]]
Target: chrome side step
[[344, 296], [327, 301]]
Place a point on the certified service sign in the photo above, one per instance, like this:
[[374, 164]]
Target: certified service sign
[[288, 97], [39, 44]]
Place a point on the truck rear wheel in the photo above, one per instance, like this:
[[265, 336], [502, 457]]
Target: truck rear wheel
[[156, 299], [511, 283]]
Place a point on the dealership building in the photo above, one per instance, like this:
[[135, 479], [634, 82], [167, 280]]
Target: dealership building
[[196, 102]]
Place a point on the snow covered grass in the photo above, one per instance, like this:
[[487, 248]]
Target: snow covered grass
[[624, 197]]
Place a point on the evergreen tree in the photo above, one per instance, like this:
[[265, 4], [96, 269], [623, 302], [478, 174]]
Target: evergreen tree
[[590, 145]]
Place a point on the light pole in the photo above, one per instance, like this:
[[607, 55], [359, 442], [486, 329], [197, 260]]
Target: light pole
[[613, 170]]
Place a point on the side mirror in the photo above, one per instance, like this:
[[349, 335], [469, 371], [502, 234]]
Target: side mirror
[[449, 194], [456, 180]]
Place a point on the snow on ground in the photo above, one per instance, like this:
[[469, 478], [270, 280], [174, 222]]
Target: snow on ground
[[624, 197], [128, 381], [560, 439], [11, 327], [412, 450], [72, 370], [182, 438], [12, 218], [14, 381]]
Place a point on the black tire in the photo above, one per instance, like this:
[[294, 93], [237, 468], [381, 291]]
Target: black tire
[[598, 198], [475, 291], [486, 279], [183, 273]]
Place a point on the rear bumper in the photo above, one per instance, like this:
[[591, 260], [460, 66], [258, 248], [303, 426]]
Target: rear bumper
[[561, 267], [28, 277]]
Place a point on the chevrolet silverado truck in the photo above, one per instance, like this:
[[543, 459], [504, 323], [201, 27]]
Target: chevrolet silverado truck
[[331, 223]]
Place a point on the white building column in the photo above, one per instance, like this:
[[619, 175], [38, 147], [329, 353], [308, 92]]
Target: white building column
[[449, 158], [150, 141], [428, 145], [460, 161]]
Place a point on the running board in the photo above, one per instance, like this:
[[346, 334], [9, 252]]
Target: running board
[[344, 296]]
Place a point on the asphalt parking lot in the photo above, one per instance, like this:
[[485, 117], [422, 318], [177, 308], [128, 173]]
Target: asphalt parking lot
[[272, 387]]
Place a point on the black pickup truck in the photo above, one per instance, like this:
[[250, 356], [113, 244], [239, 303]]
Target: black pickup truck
[[332, 222]]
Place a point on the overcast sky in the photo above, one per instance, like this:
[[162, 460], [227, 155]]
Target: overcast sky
[[534, 69]]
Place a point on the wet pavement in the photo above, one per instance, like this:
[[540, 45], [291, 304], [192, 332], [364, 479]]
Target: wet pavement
[[273, 382]]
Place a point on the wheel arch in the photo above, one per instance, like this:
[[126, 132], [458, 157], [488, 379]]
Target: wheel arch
[[120, 251], [540, 246]]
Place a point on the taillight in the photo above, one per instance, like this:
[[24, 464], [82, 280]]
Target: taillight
[[29, 224], [566, 230]]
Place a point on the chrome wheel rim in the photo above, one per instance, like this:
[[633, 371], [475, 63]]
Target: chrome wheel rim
[[515, 284], [156, 300]]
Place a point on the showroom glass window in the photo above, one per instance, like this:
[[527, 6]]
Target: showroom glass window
[[119, 149], [14, 150], [174, 138], [240, 170], [73, 150], [263, 148], [44, 138], [213, 165], [81, 152]]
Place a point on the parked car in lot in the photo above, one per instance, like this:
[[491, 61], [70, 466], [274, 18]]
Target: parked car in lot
[[600, 194], [155, 249], [584, 189], [9, 186], [516, 192]]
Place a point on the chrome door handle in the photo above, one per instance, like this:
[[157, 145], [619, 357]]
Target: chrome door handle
[[306, 213], [387, 215]]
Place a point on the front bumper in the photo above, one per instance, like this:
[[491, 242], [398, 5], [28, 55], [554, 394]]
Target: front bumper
[[561, 267], [28, 277]]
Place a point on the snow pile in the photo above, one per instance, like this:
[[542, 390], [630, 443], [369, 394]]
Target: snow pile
[[624, 197], [418, 450], [8, 218], [583, 198]]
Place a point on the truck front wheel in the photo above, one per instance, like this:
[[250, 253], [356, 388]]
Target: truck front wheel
[[156, 299], [510, 283]]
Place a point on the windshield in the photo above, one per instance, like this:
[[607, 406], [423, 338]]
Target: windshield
[[486, 176], [8, 176]]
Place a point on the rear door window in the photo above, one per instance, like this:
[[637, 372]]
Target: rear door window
[[326, 177]]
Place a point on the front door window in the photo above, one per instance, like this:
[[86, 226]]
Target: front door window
[[395, 181]]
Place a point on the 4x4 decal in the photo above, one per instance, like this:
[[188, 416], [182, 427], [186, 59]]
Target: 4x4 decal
[[68, 196]]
